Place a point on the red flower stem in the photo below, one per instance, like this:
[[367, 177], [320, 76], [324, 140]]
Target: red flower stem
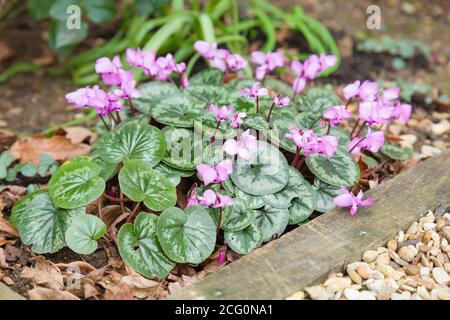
[[105, 124], [300, 164], [350, 151], [354, 128], [213, 138], [133, 111], [296, 158], [315, 121], [122, 206], [329, 127], [270, 112], [360, 129], [348, 103], [133, 213], [119, 119]]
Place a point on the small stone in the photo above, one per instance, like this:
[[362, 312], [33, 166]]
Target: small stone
[[408, 140], [428, 218], [370, 256], [412, 269], [400, 236], [413, 228], [447, 267], [407, 253], [389, 272], [317, 293], [384, 295], [392, 244], [366, 295], [426, 237], [337, 284], [429, 226], [401, 296], [356, 278], [383, 259], [441, 127], [424, 248], [364, 271], [300, 295], [444, 294], [424, 272], [440, 275], [351, 294], [429, 151], [381, 250], [423, 292], [446, 231], [440, 224]]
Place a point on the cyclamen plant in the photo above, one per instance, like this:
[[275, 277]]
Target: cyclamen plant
[[204, 164]]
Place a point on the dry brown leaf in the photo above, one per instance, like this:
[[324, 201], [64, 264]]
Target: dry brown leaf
[[6, 227], [59, 147], [44, 274], [40, 293], [5, 51], [8, 281], [142, 287], [97, 275], [90, 291], [76, 265], [4, 241], [12, 253], [78, 134], [119, 292]]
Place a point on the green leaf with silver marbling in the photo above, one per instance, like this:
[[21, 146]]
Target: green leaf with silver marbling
[[187, 236], [83, 233], [181, 148], [324, 195], [140, 248], [209, 76], [282, 198], [395, 152], [152, 93], [272, 222], [303, 205], [240, 218], [339, 170], [244, 241], [178, 110], [249, 200]]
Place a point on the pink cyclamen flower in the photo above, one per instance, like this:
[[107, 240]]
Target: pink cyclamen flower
[[221, 257], [242, 147], [216, 174], [166, 65], [255, 91], [368, 91], [78, 98], [372, 141], [375, 112], [237, 119], [328, 145], [127, 86], [352, 90], [312, 67], [192, 200], [235, 62], [214, 199], [336, 114], [266, 62], [311, 143], [209, 51], [327, 61], [223, 113], [347, 200], [135, 58], [281, 102], [150, 66], [109, 70], [402, 112], [391, 94]]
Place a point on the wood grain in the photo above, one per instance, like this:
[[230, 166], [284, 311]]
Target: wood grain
[[307, 254], [7, 294]]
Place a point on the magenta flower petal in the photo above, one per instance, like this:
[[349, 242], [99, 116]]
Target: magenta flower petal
[[206, 173]]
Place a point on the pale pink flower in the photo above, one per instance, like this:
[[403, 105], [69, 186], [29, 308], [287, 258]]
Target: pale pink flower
[[368, 91], [372, 141], [255, 91], [347, 200], [192, 200], [402, 112], [299, 84], [235, 62], [327, 61], [242, 147], [266, 62], [109, 70], [375, 112], [219, 173], [328, 145], [336, 114], [237, 119], [352, 90], [391, 94], [312, 67], [281, 102], [127, 87], [223, 113], [135, 58], [208, 198]]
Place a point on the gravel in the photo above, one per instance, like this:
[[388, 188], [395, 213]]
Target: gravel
[[413, 266]]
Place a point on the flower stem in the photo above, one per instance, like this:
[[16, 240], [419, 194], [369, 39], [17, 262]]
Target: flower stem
[[314, 123], [133, 213], [300, 164], [257, 105], [348, 103], [296, 158], [360, 129], [361, 140], [105, 124], [119, 119], [354, 128], [270, 112], [133, 111], [213, 138], [329, 127]]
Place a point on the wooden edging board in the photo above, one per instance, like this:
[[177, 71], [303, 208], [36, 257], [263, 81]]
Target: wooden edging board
[[308, 253], [7, 294]]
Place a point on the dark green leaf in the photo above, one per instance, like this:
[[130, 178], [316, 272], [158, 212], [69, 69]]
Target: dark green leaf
[[83, 233], [271, 222], [208, 76], [101, 11], [395, 152], [325, 194], [178, 111], [240, 217], [246, 240]]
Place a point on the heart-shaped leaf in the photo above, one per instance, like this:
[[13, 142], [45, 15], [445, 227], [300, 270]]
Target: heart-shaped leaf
[[395, 152], [83, 233], [40, 223], [257, 122], [152, 93], [318, 99], [245, 240], [181, 148], [107, 169], [325, 194], [271, 222], [139, 247], [339, 170], [131, 141], [210, 76], [240, 218], [140, 182], [279, 87], [209, 94], [172, 174], [75, 184], [281, 124], [303, 205], [249, 200], [207, 125], [282, 198], [187, 236], [227, 213], [265, 173], [178, 110]]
